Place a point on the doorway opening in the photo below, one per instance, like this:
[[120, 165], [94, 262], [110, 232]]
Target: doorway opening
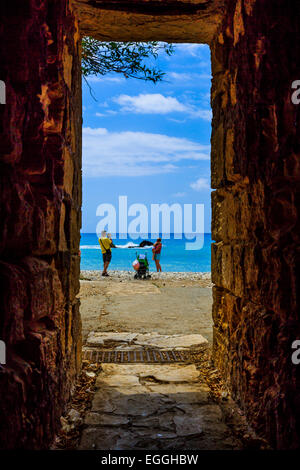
[[146, 151], [146, 174]]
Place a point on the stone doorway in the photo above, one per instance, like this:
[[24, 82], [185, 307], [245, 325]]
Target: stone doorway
[[248, 161]]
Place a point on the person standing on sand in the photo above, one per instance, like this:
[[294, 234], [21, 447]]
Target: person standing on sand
[[156, 254], [106, 244]]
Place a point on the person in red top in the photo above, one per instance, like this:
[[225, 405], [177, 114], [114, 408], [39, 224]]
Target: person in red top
[[156, 254]]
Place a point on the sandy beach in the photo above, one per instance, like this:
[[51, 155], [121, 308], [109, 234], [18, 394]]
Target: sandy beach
[[168, 303]]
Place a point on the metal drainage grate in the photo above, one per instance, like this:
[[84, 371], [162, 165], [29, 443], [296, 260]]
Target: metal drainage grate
[[123, 356]]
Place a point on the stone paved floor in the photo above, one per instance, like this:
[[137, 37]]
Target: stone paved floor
[[152, 406], [160, 406]]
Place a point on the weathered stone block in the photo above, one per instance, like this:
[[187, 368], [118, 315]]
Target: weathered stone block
[[42, 118], [254, 213]]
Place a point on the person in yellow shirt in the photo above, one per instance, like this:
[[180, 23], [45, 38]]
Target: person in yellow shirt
[[106, 244]]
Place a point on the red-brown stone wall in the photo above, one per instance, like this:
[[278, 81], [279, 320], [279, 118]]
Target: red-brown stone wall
[[256, 174], [40, 194]]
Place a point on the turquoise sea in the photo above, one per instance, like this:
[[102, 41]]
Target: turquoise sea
[[174, 255]]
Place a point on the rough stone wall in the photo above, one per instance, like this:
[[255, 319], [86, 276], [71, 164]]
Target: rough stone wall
[[150, 20], [40, 194], [256, 173]]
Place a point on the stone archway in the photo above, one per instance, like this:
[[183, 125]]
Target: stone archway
[[255, 170]]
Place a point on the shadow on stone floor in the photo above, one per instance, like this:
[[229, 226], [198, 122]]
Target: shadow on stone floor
[[154, 407]]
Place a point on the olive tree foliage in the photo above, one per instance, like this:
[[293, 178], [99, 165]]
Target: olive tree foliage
[[130, 59]]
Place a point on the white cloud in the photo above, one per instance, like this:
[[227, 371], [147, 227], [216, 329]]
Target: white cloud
[[189, 77], [204, 114], [95, 132], [178, 121], [136, 153], [200, 184], [154, 103], [105, 78], [191, 49], [108, 112]]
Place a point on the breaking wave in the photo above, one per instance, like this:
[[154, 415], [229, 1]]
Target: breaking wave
[[128, 245]]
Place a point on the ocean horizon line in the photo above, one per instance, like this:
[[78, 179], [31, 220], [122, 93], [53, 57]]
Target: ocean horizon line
[[179, 254], [149, 234]]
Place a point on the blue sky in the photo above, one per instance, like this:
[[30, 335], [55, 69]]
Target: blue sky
[[149, 142]]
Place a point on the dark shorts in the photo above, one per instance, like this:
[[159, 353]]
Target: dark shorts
[[106, 257]]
